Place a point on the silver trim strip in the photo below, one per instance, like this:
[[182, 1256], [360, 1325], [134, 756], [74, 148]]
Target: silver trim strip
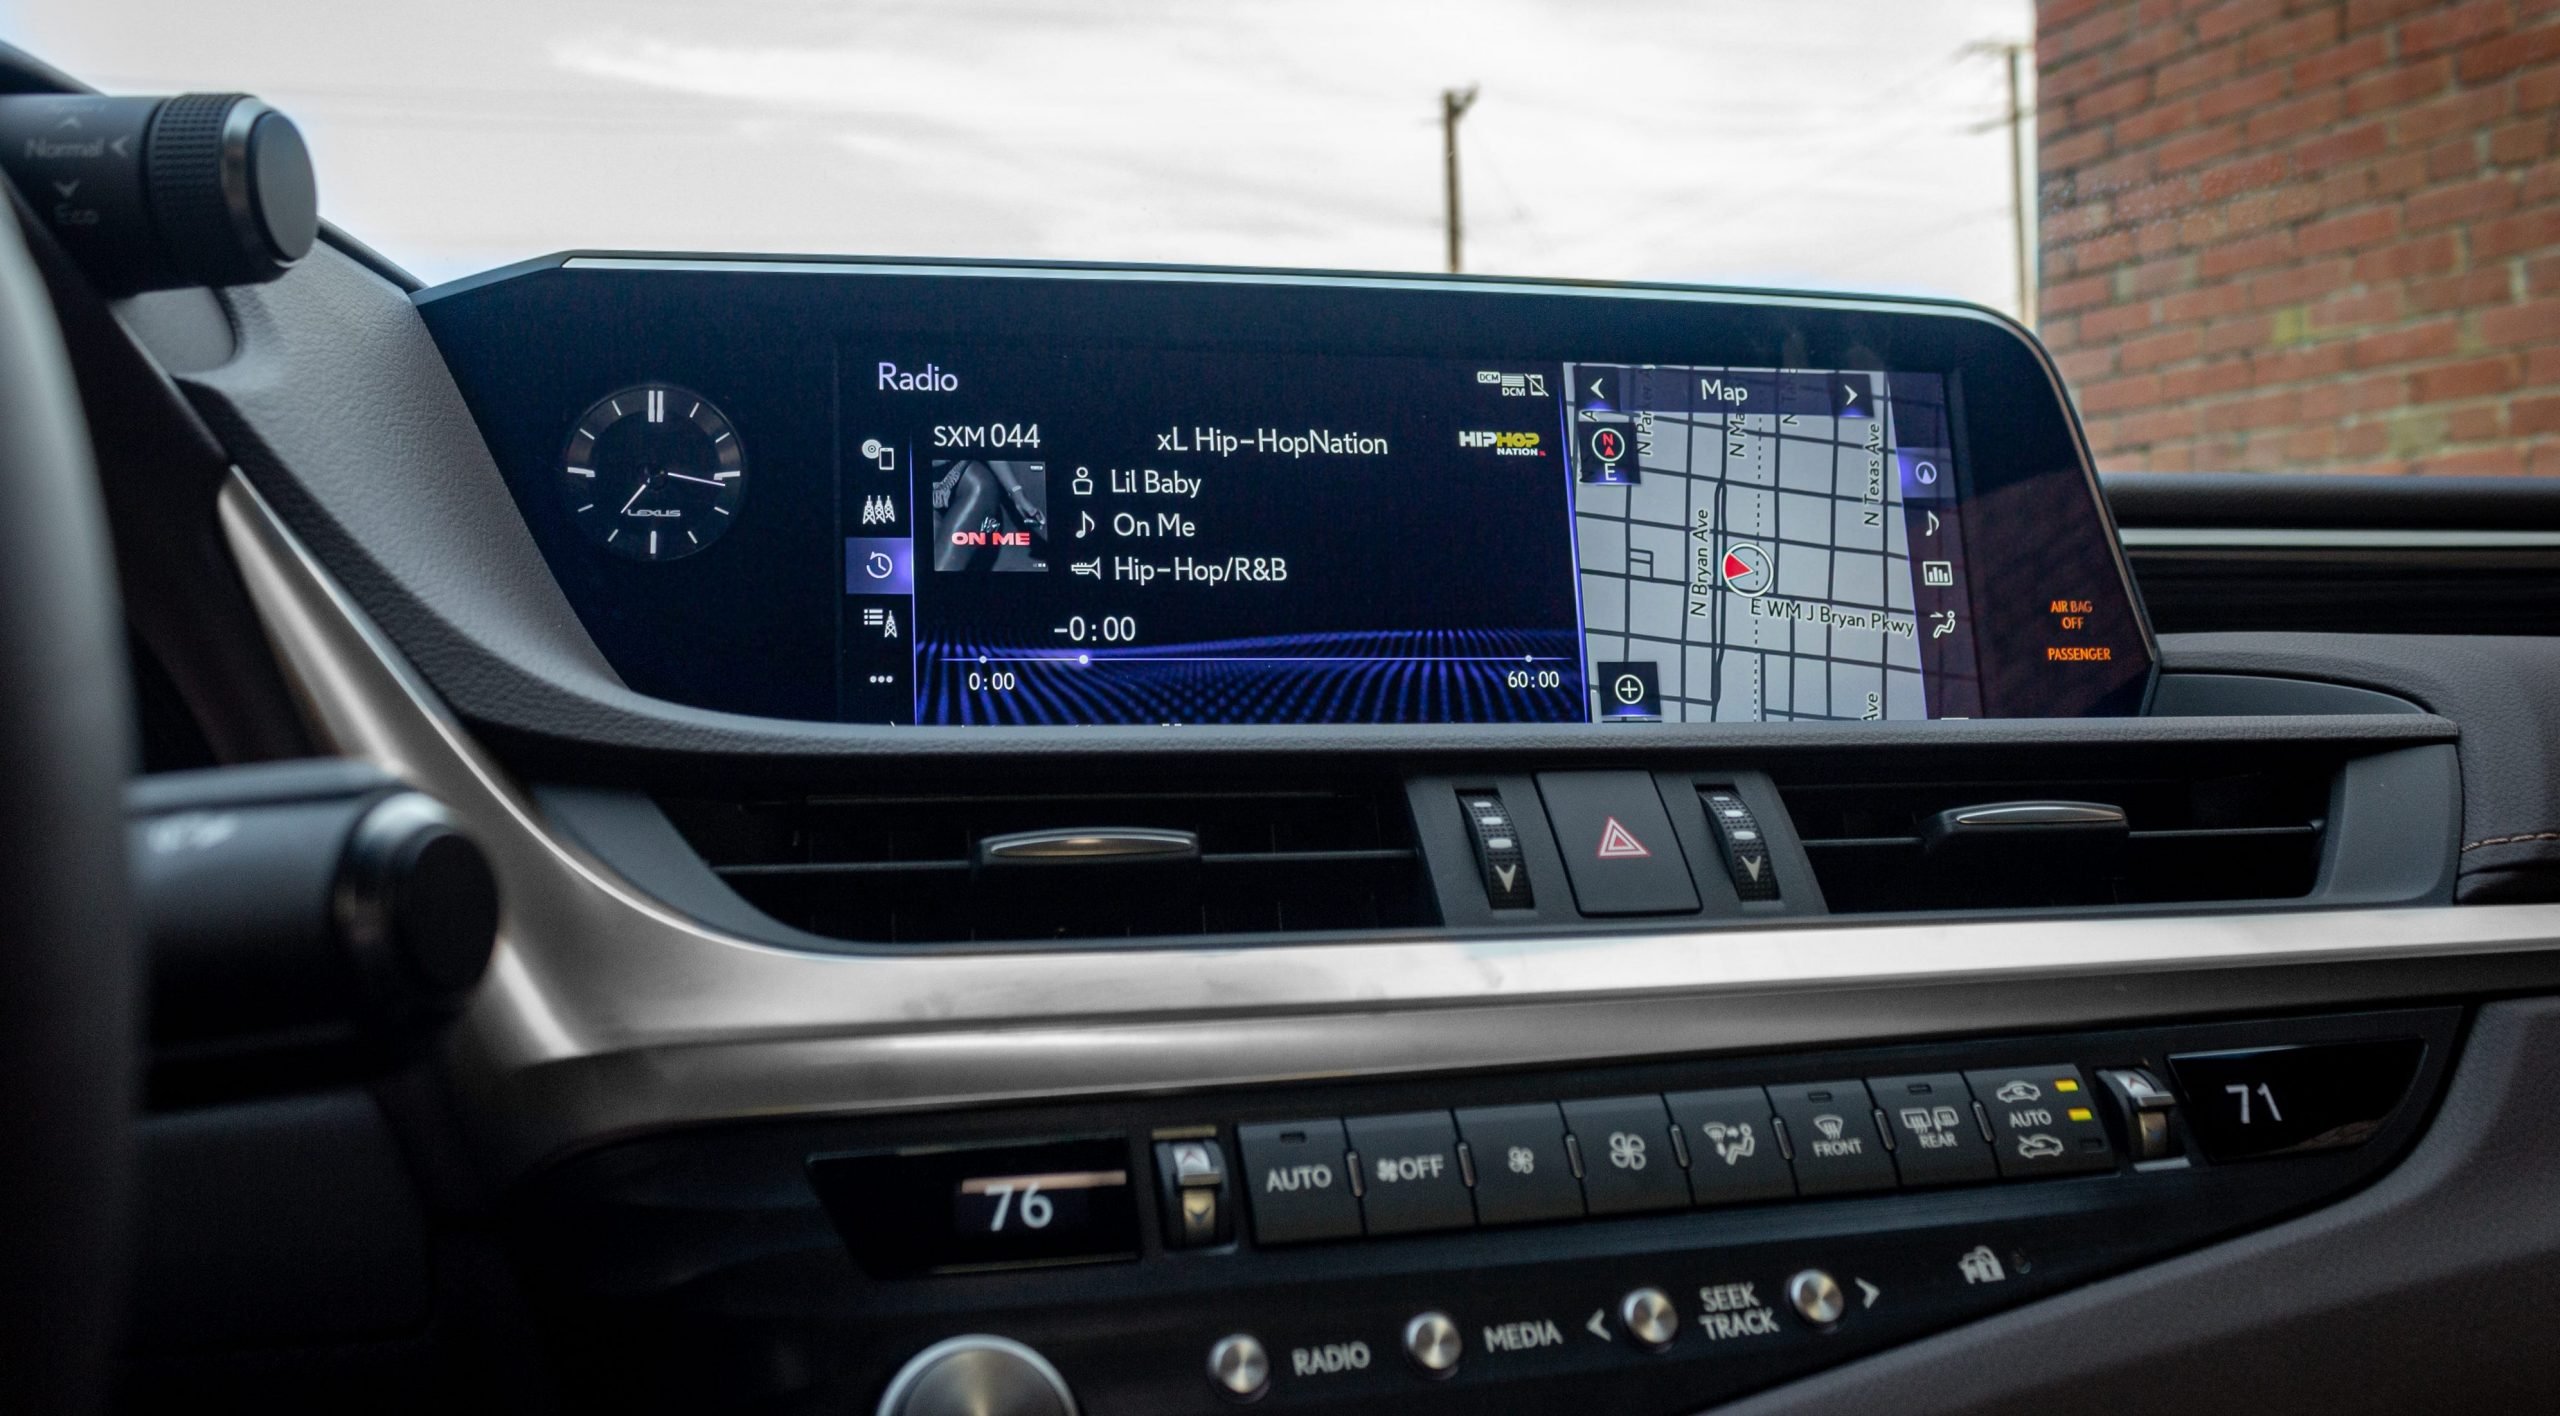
[[605, 1013], [1101, 844], [2343, 538], [2043, 813]]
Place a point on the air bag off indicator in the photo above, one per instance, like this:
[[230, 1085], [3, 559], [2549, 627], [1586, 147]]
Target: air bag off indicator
[[2071, 617]]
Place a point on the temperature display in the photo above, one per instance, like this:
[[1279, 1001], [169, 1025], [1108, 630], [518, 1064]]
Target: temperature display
[[984, 1207]]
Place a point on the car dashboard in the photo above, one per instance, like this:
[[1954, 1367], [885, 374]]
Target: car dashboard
[[1130, 839]]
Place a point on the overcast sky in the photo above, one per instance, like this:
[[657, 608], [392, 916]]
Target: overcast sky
[[1798, 143]]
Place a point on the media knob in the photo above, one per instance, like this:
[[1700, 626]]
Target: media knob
[[977, 1375], [155, 193]]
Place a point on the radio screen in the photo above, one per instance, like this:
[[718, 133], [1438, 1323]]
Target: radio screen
[[1160, 537]]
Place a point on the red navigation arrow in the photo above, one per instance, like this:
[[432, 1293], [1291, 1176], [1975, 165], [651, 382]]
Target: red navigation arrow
[[1734, 569]]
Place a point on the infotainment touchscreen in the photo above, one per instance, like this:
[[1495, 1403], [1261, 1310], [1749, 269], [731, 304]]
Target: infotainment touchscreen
[[942, 496], [1089, 536]]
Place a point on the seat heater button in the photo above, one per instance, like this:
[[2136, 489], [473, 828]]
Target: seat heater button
[[1434, 1343], [1240, 1367], [1298, 1181], [1817, 1296], [1409, 1173]]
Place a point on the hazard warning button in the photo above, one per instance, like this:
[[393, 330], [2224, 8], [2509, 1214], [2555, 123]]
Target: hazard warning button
[[1618, 848]]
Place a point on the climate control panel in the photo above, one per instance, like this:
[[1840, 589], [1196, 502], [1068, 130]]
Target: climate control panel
[[1651, 1236]]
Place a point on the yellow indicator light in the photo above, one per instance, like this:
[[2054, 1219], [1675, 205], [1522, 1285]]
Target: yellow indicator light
[[2079, 1113], [2065, 1084]]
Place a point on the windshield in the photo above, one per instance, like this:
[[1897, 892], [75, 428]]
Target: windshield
[[1736, 143], [2322, 236]]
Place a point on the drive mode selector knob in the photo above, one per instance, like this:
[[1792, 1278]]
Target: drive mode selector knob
[[977, 1375], [156, 193]]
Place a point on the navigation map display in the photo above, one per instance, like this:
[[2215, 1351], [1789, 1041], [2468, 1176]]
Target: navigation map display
[[1761, 544], [1062, 537]]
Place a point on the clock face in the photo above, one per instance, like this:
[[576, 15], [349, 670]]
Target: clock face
[[653, 472]]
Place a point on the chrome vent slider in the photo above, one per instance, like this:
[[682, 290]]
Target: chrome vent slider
[[1110, 845]]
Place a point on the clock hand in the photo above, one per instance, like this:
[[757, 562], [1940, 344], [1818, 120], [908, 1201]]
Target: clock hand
[[635, 497], [679, 476]]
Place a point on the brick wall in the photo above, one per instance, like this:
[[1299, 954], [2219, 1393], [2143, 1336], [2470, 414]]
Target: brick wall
[[2313, 236]]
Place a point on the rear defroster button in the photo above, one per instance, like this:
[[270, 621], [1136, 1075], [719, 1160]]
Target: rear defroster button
[[1434, 1343]]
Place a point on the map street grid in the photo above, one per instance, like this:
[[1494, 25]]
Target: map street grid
[[1748, 542]]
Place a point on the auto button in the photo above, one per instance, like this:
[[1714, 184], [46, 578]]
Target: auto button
[[2043, 1121], [1299, 1180]]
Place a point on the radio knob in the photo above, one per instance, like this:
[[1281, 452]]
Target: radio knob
[[1434, 1343], [1240, 1367], [977, 1375]]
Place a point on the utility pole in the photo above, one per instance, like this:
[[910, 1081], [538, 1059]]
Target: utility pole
[[1454, 104], [2018, 189], [2023, 257]]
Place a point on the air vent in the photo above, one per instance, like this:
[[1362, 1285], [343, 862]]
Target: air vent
[[1879, 846], [938, 869]]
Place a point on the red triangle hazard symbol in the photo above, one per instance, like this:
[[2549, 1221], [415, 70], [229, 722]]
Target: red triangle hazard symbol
[[1734, 569], [1619, 843]]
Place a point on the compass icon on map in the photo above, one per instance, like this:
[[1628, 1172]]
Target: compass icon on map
[[1746, 569]]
